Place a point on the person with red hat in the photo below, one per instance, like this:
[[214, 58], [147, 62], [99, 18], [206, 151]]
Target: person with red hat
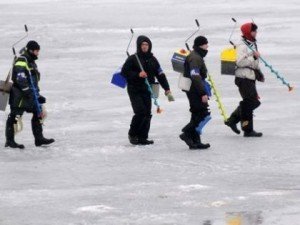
[[247, 72]]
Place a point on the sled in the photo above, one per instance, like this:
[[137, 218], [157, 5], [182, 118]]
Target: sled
[[5, 87]]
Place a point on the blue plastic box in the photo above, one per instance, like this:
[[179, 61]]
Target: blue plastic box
[[118, 79]]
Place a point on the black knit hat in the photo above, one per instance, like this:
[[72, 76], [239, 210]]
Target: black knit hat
[[200, 40], [33, 45]]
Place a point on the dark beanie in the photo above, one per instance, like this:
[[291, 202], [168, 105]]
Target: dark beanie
[[33, 45], [200, 40]]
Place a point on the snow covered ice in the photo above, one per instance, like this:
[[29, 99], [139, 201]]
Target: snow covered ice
[[91, 175]]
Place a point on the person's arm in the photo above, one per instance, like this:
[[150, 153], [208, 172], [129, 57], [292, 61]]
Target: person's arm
[[196, 76], [161, 76], [163, 81], [129, 70], [37, 76]]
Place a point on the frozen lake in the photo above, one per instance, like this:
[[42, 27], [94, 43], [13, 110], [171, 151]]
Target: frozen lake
[[92, 176]]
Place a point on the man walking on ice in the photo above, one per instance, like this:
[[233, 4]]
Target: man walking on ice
[[25, 97], [139, 94], [247, 72]]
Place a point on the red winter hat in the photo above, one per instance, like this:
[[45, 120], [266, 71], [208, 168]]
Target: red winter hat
[[246, 29]]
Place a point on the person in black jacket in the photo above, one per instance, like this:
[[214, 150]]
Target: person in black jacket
[[22, 97], [139, 94], [196, 70]]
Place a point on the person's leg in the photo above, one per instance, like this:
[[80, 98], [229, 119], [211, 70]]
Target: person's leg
[[145, 128], [246, 115], [234, 119], [197, 119], [10, 131], [235, 116], [188, 132], [249, 103], [247, 124], [198, 111], [138, 118], [37, 130], [188, 129]]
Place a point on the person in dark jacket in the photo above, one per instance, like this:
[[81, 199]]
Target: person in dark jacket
[[25, 78], [196, 70], [247, 72], [139, 94]]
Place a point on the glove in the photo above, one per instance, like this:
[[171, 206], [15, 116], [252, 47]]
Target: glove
[[170, 96], [42, 99]]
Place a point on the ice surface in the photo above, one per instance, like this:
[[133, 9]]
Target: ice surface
[[91, 175]]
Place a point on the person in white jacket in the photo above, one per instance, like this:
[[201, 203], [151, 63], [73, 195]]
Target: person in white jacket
[[247, 72]]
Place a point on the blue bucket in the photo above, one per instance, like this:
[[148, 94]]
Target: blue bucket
[[118, 79]]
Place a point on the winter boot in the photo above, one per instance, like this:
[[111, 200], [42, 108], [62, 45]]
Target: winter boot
[[247, 127], [133, 140], [233, 120], [198, 144], [10, 134], [253, 134], [143, 141], [233, 126], [188, 140], [37, 130]]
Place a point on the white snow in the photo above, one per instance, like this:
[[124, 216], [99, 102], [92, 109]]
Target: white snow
[[91, 175]]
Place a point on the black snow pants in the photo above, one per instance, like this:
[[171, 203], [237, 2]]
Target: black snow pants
[[244, 112], [141, 104], [37, 128], [199, 111]]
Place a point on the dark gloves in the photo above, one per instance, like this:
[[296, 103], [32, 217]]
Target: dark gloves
[[42, 99], [259, 75]]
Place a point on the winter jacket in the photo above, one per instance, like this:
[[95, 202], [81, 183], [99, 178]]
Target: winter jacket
[[196, 70], [151, 66], [21, 95], [246, 62]]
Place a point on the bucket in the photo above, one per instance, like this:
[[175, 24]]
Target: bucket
[[178, 60], [118, 79], [228, 61], [184, 83], [155, 89]]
